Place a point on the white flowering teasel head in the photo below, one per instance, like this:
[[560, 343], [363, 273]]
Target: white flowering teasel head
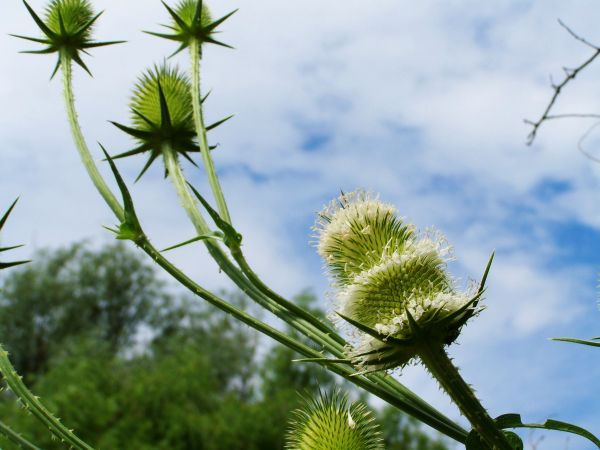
[[390, 282]]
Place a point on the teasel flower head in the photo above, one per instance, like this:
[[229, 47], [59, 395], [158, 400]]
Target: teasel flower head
[[332, 422], [161, 115], [389, 281], [191, 21], [67, 28]]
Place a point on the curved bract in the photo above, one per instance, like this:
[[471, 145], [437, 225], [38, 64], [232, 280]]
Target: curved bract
[[333, 423]]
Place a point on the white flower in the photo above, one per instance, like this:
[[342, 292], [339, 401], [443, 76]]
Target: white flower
[[389, 281]]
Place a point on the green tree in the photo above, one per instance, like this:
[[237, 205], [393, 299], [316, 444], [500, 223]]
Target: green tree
[[69, 292], [129, 366]]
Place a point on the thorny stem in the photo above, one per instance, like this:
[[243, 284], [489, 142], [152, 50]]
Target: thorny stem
[[209, 166], [329, 340], [33, 404], [84, 151], [441, 367], [381, 385], [16, 437]]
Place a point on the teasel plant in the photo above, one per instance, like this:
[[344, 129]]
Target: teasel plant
[[332, 422], [167, 123]]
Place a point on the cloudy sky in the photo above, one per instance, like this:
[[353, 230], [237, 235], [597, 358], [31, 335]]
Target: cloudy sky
[[422, 102]]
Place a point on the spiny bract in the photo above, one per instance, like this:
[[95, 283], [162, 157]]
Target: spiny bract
[[332, 423], [67, 30], [161, 107], [3, 219], [191, 21], [389, 281]]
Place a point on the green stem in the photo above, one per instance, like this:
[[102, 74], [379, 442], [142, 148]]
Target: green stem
[[84, 152], [383, 386], [33, 404], [328, 340], [16, 437], [209, 166], [439, 364], [344, 371]]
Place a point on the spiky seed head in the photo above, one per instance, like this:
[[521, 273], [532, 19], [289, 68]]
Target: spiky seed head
[[186, 10], [389, 279], [146, 99], [74, 15], [67, 30], [161, 114], [191, 22], [331, 422]]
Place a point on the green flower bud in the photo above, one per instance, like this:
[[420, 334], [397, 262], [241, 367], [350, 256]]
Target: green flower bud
[[332, 423], [145, 102], [161, 107], [67, 30], [192, 21], [389, 281]]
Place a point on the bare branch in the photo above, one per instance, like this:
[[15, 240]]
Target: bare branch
[[576, 36], [570, 74]]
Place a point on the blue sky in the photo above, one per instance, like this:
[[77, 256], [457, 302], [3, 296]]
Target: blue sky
[[421, 101]]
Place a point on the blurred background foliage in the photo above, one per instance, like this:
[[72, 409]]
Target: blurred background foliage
[[130, 364]]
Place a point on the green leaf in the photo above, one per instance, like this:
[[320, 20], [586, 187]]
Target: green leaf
[[474, 442], [7, 213], [218, 123], [514, 421], [232, 238], [130, 228], [579, 341], [203, 237]]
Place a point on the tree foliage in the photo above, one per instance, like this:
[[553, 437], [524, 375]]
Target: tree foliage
[[129, 365]]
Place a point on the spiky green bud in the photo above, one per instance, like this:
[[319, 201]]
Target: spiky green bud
[[191, 21], [161, 108], [390, 282], [67, 17], [67, 28], [186, 10], [333, 423]]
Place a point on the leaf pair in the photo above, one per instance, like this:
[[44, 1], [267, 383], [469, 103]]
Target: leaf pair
[[228, 234]]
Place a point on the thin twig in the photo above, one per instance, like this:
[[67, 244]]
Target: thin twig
[[570, 74], [583, 138]]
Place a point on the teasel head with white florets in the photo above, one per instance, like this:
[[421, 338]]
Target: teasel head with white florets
[[390, 282], [333, 422]]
